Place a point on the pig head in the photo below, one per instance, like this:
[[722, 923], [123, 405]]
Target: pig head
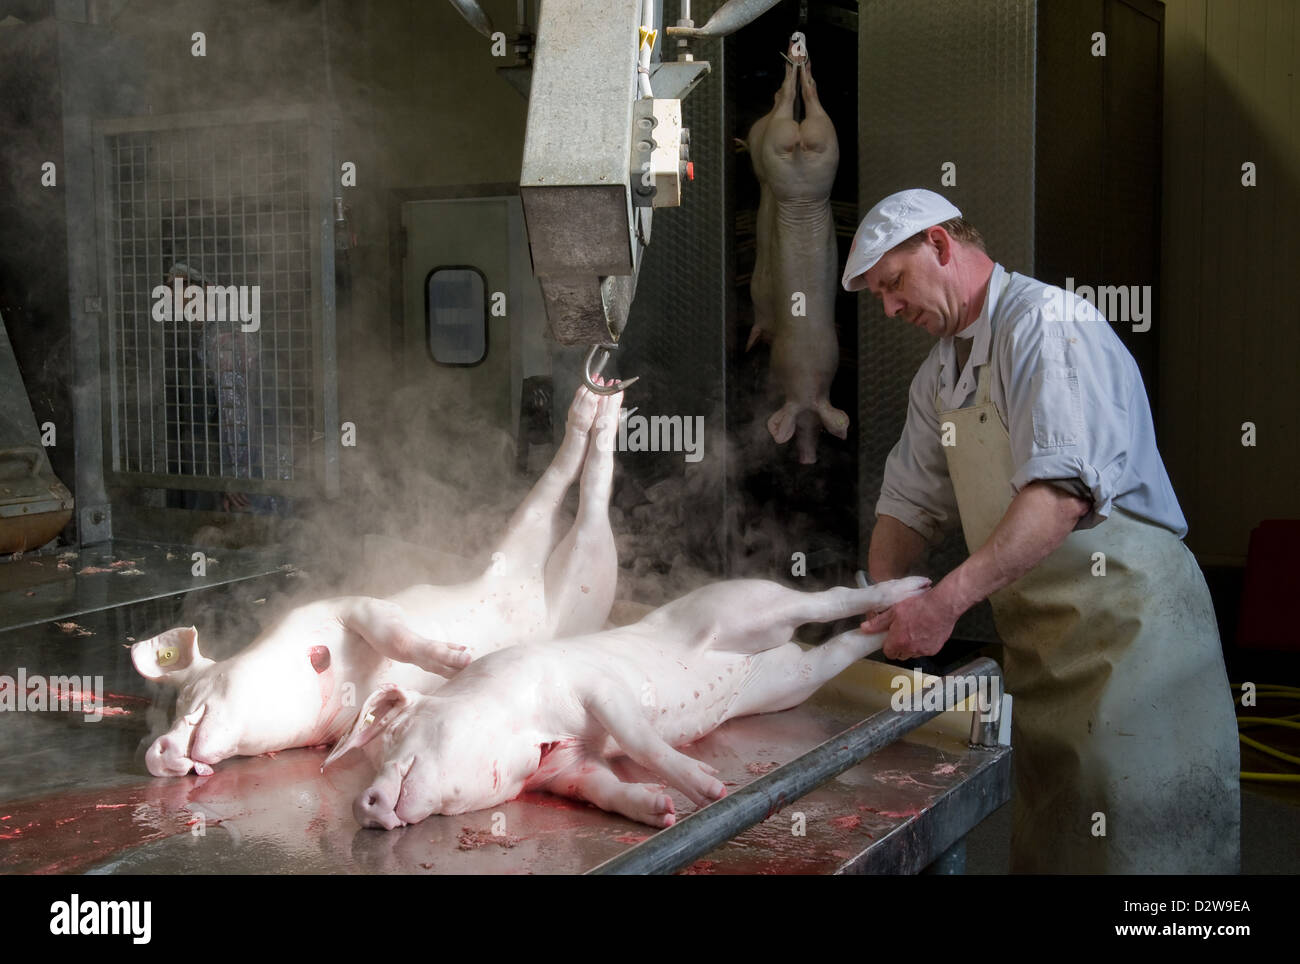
[[435, 756], [293, 687]]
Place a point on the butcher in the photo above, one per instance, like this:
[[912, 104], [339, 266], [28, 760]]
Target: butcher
[[1028, 424]]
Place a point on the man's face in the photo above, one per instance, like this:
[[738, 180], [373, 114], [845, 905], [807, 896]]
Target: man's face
[[919, 285]]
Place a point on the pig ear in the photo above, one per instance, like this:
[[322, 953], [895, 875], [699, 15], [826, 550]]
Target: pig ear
[[167, 655], [376, 716]]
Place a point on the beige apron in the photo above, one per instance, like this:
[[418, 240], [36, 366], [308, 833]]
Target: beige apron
[[1122, 708]]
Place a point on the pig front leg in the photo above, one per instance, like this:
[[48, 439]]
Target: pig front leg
[[591, 779], [383, 625], [614, 707], [582, 571]]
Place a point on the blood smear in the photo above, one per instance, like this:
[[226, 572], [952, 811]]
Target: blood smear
[[894, 814], [700, 867], [471, 839], [847, 822]]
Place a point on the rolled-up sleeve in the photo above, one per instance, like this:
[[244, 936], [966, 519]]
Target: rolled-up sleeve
[[1066, 391], [916, 489]]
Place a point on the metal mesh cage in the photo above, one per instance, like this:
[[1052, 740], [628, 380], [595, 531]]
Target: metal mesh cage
[[225, 388]]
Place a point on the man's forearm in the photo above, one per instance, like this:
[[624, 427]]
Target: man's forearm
[[1035, 524], [895, 548]]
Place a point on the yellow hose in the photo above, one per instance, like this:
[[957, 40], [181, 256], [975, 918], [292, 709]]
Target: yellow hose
[[1265, 748], [1292, 721]]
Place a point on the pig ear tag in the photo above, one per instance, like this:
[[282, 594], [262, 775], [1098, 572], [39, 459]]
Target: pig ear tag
[[167, 656]]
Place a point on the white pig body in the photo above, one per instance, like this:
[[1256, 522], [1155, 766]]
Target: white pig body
[[547, 717], [794, 284], [300, 682]]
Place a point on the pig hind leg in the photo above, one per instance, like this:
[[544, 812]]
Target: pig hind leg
[[817, 129], [582, 571], [754, 615], [531, 532], [592, 780], [786, 676]]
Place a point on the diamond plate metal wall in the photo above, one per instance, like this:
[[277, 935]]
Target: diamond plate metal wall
[[675, 338], [939, 82], [675, 329]]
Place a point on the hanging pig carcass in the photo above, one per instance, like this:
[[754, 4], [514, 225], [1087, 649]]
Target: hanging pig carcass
[[795, 274]]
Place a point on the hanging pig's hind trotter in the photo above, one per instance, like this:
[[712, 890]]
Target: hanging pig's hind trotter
[[547, 717]]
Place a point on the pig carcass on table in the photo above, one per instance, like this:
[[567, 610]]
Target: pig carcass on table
[[299, 683], [548, 716], [796, 272]]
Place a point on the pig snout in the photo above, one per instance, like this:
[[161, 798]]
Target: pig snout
[[170, 754], [166, 757], [376, 806]]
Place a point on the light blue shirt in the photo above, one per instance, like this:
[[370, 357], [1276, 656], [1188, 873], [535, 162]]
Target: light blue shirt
[[1069, 394]]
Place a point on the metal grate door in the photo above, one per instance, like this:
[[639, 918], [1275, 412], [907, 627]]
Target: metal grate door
[[203, 396]]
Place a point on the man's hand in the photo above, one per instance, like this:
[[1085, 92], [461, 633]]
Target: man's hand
[[918, 626], [1037, 521]]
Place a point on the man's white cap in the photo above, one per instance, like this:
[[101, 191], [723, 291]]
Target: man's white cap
[[889, 224]]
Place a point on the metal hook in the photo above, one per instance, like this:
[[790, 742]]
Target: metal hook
[[588, 373]]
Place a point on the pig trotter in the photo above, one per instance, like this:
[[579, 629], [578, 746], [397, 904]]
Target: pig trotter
[[835, 421], [383, 625], [592, 780], [781, 424], [614, 708]]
